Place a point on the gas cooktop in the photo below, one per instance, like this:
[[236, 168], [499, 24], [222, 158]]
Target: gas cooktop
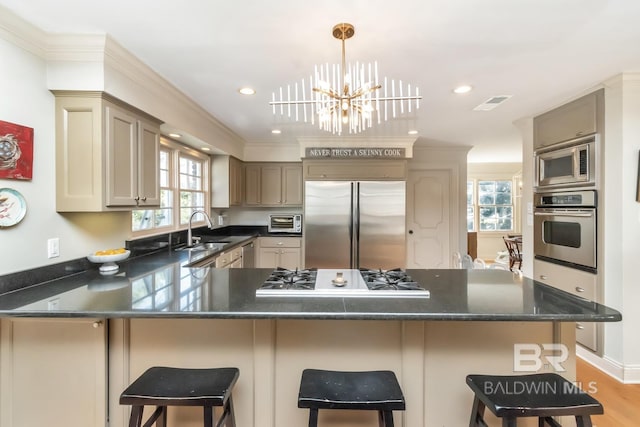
[[341, 283]]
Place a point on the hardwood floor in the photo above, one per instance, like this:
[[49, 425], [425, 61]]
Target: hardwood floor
[[621, 401]]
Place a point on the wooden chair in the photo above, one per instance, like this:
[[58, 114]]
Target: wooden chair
[[514, 247]]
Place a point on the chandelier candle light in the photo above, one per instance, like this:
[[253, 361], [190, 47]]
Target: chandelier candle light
[[355, 101]]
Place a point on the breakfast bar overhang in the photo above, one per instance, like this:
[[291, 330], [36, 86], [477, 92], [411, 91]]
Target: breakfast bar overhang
[[106, 330]]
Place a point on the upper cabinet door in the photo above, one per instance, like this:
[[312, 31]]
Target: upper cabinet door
[[252, 184], [575, 119], [292, 185], [122, 157], [148, 165], [271, 185]]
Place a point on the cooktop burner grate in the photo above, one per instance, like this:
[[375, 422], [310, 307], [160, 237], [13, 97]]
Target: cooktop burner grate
[[395, 279], [281, 278]]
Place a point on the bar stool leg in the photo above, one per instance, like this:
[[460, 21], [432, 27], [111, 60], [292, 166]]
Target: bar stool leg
[[385, 418], [583, 421], [208, 416], [136, 416], [509, 422], [228, 414], [162, 419], [313, 417], [477, 412]]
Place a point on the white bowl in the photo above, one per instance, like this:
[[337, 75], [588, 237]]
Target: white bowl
[[108, 261]]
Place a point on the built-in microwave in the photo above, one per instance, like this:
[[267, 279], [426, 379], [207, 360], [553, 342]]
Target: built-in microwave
[[571, 164], [285, 223]]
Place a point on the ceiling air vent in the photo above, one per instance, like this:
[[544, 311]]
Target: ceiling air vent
[[492, 103]]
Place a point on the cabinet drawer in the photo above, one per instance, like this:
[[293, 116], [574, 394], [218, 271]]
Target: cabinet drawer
[[228, 257], [586, 334], [570, 280], [280, 242]]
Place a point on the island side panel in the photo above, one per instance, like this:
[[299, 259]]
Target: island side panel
[[455, 349], [188, 343], [431, 360]]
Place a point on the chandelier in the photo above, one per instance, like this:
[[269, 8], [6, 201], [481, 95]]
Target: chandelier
[[345, 97]]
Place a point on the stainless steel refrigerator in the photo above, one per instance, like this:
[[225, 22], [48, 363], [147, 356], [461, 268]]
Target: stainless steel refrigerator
[[353, 224]]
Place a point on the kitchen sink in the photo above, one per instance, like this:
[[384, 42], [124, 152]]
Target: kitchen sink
[[208, 246]]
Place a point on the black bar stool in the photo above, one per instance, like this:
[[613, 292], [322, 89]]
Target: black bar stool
[[369, 391], [162, 387], [537, 395]]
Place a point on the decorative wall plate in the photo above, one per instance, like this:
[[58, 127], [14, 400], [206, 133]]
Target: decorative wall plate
[[12, 207]]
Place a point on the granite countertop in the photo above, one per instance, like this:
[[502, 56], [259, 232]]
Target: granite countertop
[[162, 285]]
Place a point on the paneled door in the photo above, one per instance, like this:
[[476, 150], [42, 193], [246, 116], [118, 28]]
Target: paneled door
[[428, 219]]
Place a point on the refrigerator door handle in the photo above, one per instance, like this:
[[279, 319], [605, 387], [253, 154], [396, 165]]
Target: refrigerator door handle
[[356, 219], [351, 228]]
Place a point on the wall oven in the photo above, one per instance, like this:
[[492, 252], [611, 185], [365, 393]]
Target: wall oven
[[564, 229], [570, 164]]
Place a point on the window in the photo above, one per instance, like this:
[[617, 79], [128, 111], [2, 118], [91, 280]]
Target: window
[[490, 205], [183, 188]]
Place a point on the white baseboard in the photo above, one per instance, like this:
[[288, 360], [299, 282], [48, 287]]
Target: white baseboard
[[629, 374]]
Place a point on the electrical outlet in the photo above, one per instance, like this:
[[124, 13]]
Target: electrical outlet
[[53, 247]]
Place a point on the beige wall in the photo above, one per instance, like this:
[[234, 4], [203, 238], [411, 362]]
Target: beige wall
[[26, 101]]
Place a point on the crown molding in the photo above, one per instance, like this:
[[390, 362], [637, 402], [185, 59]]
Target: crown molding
[[121, 60], [21, 33], [76, 47], [117, 63]]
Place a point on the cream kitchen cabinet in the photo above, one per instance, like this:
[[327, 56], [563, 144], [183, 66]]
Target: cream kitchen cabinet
[[227, 182], [581, 117], [230, 259], [106, 154], [53, 372], [273, 184], [282, 252], [369, 169], [576, 282]]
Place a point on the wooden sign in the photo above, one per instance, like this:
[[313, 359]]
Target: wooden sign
[[355, 152]]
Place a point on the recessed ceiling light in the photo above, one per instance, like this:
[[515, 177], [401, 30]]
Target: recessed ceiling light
[[175, 135], [413, 132], [206, 149], [247, 91], [276, 131], [462, 89]]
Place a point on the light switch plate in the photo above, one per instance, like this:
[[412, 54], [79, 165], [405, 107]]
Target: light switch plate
[[53, 247]]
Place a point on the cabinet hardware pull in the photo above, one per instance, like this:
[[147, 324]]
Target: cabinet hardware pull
[[97, 324], [410, 231], [543, 277], [579, 289], [137, 199], [579, 326], [144, 199]]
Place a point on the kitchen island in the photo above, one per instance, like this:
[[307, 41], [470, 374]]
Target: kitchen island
[[157, 311]]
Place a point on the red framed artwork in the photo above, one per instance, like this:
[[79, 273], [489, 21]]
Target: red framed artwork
[[16, 151]]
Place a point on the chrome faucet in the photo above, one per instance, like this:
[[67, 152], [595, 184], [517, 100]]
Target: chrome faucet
[[209, 224]]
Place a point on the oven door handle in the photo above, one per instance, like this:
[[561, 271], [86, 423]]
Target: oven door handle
[[563, 213]]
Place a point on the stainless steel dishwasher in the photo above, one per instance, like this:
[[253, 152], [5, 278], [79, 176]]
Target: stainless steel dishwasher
[[248, 255]]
